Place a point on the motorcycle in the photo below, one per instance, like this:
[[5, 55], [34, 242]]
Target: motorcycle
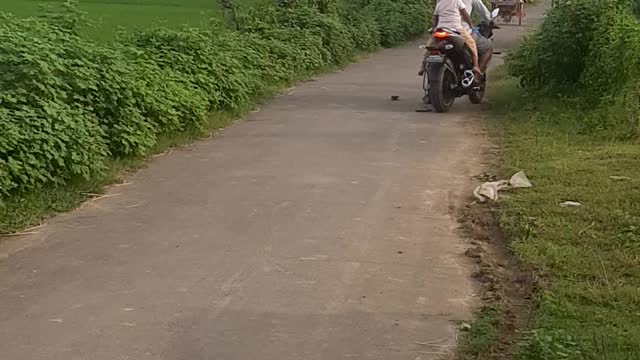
[[448, 68]]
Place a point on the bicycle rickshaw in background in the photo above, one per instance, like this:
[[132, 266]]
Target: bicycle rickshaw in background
[[509, 10]]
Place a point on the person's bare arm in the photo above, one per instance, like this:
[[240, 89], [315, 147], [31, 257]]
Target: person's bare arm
[[435, 21], [466, 17]]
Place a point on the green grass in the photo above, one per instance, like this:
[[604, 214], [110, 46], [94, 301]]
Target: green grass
[[110, 15], [482, 337], [587, 258]]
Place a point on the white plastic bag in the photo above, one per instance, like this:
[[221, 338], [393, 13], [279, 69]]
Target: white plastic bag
[[489, 190], [520, 180]]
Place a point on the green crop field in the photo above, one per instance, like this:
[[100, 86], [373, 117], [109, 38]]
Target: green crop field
[[109, 15]]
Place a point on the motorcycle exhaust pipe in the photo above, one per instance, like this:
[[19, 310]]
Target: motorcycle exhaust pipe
[[468, 79]]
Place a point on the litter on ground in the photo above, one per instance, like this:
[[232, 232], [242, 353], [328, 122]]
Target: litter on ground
[[489, 190], [570, 204]]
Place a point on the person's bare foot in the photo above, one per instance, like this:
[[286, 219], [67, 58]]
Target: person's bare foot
[[421, 72], [477, 75]]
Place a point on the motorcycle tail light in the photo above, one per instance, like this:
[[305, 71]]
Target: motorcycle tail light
[[441, 35]]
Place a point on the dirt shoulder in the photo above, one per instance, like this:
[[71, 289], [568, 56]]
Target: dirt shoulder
[[507, 282]]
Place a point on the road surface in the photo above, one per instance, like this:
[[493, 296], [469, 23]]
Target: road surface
[[322, 227]]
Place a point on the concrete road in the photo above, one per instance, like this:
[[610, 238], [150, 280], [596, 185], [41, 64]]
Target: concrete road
[[322, 227]]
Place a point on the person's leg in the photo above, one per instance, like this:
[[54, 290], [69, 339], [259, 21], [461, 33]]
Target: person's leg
[[485, 51], [422, 65], [485, 58], [423, 68], [468, 39]]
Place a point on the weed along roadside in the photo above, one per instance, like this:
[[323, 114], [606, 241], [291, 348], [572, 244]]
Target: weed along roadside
[[75, 113], [565, 110]]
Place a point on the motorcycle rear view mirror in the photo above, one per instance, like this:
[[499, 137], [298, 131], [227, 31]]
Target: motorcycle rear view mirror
[[495, 13]]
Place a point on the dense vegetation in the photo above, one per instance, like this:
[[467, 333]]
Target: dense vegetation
[[573, 125], [588, 51], [70, 105]]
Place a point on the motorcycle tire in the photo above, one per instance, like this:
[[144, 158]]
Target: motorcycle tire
[[476, 96], [441, 81]]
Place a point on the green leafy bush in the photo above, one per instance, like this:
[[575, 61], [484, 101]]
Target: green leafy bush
[[364, 31], [192, 53], [276, 55], [588, 51], [613, 55], [337, 43], [610, 79], [136, 100], [69, 104], [555, 55], [46, 135], [401, 19]]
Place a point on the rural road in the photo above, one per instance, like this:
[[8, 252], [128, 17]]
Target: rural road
[[322, 227]]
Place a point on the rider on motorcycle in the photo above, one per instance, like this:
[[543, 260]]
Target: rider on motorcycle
[[484, 45], [450, 14]]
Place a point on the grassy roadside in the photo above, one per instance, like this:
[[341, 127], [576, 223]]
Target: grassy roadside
[[101, 103], [586, 259], [26, 210], [23, 211]]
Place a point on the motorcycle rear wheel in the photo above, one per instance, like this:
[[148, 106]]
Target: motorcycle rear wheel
[[441, 83]]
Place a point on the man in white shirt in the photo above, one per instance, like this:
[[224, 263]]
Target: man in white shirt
[[449, 14]]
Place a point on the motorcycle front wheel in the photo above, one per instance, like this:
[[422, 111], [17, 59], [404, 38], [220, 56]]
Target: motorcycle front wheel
[[441, 84]]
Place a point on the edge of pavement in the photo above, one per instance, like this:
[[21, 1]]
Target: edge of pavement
[[507, 284]]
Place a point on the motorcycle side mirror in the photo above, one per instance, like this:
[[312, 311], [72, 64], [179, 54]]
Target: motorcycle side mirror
[[495, 13]]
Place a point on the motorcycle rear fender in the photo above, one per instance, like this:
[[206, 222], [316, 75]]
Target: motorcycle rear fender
[[448, 63], [454, 47], [454, 43]]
